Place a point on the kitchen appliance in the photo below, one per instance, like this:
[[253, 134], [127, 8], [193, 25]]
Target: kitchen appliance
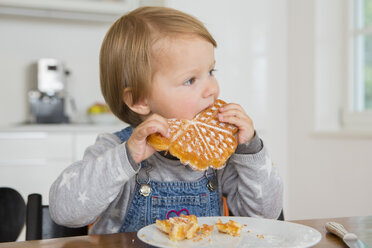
[[48, 101]]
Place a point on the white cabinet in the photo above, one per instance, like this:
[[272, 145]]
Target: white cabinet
[[32, 157], [28, 179], [30, 161], [34, 147]]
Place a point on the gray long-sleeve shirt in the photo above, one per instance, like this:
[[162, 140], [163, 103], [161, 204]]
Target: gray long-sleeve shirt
[[99, 187]]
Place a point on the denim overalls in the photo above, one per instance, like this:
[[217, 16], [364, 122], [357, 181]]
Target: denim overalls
[[168, 199]]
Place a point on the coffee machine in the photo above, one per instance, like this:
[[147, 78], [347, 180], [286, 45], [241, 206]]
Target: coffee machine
[[47, 103]]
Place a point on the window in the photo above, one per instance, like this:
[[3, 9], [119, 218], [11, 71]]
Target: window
[[358, 110], [362, 45]]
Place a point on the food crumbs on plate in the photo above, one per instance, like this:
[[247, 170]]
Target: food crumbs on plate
[[143, 235], [260, 236], [245, 225], [187, 227], [179, 228], [248, 231], [184, 227], [204, 231], [197, 239], [232, 228]]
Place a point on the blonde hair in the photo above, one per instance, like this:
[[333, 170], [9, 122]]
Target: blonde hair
[[125, 57]]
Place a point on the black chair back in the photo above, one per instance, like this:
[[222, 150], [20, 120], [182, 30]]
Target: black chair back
[[39, 224], [281, 216], [12, 214]]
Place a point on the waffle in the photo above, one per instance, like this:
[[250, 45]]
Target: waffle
[[179, 228], [232, 228], [202, 142]]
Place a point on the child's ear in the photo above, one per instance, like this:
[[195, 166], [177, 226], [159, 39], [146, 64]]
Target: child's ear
[[140, 107]]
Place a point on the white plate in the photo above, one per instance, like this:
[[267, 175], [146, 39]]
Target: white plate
[[275, 234]]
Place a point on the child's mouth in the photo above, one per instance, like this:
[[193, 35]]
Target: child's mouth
[[210, 105]]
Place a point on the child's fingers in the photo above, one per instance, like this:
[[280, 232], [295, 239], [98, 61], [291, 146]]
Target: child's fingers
[[231, 106], [237, 121], [233, 112], [154, 124], [238, 114], [160, 125]]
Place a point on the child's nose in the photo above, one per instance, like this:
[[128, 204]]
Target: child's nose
[[211, 89]]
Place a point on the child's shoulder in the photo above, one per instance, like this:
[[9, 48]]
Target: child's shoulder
[[108, 138]]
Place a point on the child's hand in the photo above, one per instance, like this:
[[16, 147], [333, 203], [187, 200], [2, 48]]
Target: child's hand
[[137, 143], [234, 114]]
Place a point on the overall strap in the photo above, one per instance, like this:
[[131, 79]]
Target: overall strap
[[124, 134]]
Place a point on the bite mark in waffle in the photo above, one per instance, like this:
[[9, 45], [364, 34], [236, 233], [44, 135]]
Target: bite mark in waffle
[[179, 228], [232, 228], [201, 142]]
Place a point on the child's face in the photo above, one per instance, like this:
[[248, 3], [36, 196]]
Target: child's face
[[183, 83]]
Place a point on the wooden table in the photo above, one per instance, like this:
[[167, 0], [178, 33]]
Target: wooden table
[[361, 226]]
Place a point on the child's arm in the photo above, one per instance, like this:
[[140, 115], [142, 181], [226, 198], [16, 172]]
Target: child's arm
[[250, 180], [87, 187], [251, 183]]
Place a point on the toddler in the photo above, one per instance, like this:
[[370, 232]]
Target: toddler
[[158, 63]]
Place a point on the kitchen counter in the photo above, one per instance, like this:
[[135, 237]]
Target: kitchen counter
[[73, 128]]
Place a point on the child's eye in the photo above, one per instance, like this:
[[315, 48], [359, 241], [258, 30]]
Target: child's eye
[[211, 72], [190, 81]]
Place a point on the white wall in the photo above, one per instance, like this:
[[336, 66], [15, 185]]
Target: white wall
[[329, 171]]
